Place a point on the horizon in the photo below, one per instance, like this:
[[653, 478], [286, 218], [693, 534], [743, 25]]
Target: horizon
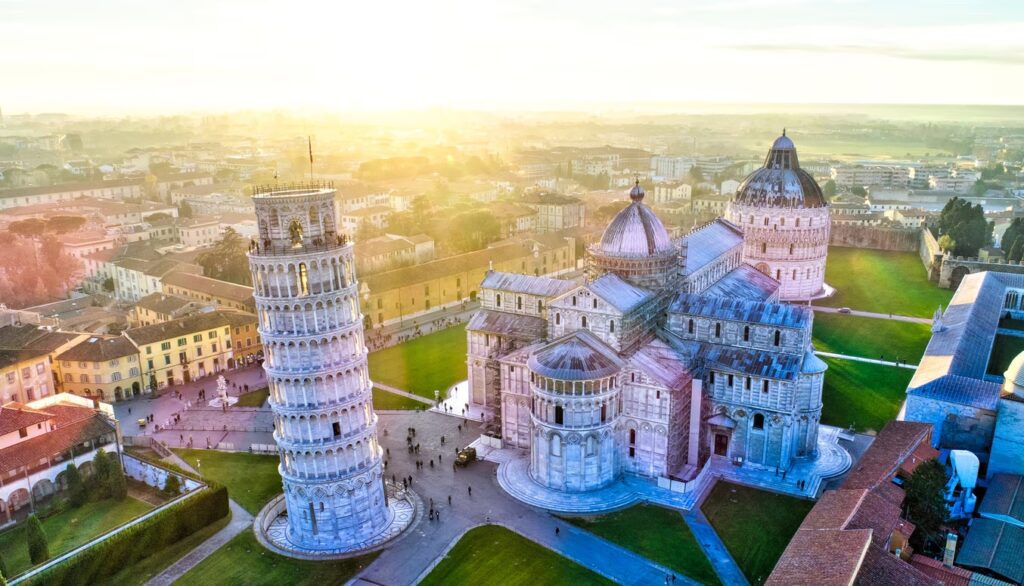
[[187, 57]]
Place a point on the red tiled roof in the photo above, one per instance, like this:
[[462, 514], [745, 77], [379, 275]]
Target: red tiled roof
[[15, 416], [74, 425], [821, 558], [882, 567], [949, 576], [897, 442]]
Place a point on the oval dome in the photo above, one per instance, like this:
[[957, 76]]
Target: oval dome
[[1014, 376], [780, 182], [636, 231]]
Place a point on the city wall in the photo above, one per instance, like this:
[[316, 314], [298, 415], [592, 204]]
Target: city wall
[[897, 239]]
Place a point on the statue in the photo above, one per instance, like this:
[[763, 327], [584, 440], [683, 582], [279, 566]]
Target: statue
[[222, 399], [295, 231]]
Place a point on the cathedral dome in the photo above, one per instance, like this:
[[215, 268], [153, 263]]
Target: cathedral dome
[[636, 231], [573, 358], [1014, 377], [780, 182]]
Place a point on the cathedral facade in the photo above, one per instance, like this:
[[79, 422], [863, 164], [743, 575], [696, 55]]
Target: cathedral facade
[[671, 353]]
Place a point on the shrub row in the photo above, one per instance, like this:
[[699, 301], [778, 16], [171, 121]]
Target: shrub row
[[167, 527]]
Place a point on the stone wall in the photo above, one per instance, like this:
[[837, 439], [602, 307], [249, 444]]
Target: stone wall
[[877, 238], [958, 427], [931, 255], [152, 474], [955, 268]]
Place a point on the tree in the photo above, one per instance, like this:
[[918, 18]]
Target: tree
[[946, 243], [966, 225], [696, 175], [35, 270], [77, 493], [1017, 252], [925, 502], [157, 217], [473, 230], [184, 209], [101, 467], [117, 485], [108, 284], [3, 571], [28, 228], [64, 224], [829, 189], [38, 548], [858, 190], [161, 168], [1013, 232], [605, 213], [172, 486], [227, 259]]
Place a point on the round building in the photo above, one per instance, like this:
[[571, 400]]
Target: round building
[[306, 294], [785, 223]]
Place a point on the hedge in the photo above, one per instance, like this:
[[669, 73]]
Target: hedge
[[94, 565]]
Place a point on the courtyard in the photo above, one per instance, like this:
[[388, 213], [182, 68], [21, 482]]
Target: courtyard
[[861, 395], [755, 525], [870, 337], [881, 282], [422, 365], [252, 480]]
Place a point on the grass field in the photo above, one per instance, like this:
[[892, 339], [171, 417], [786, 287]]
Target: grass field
[[254, 398], [755, 525], [1004, 350], [244, 561], [863, 395], [494, 555], [251, 480], [436, 361], [882, 282], [145, 569], [656, 533], [869, 337], [69, 529], [386, 401]]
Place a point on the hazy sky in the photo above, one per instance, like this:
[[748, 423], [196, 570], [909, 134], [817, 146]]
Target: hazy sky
[[111, 56]]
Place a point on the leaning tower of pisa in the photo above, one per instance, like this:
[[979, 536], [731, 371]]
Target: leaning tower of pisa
[[306, 293]]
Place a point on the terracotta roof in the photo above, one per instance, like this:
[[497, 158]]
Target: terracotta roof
[[66, 187], [212, 287], [99, 349], [882, 567], [27, 341], [933, 568], [177, 328], [15, 416], [163, 303], [897, 441], [828, 557], [74, 425]]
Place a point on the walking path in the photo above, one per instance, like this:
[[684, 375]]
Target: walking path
[[859, 313], [716, 552], [868, 360], [241, 521], [397, 391]]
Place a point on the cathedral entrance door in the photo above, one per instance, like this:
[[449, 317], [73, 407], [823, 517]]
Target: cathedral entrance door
[[721, 444]]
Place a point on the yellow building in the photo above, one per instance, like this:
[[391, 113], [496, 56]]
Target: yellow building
[[182, 350], [246, 346], [407, 292], [160, 307], [27, 354], [102, 367]]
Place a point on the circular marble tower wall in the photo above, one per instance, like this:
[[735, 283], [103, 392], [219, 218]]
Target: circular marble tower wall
[[572, 447], [306, 294]]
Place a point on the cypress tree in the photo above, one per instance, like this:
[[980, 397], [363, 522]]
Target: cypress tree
[[117, 485], [77, 492], [172, 486], [3, 570], [101, 474], [38, 548]]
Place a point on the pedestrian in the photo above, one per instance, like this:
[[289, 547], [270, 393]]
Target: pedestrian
[[181, 438], [442, 440], [387, 451], [449, 500], [439, 458], [129, 411], [431, 463], [557, 531], [470, 490], [405, 485]]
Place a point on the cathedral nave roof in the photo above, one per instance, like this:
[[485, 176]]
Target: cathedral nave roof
[[776, 314], [619, 293], [754, 363], [508, 324], [744, 282], [707, 243], [526, 284], [661, 361]]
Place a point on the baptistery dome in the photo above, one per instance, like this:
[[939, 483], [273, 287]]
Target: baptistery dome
[[636, 231], [1014, 377], [780, 182]]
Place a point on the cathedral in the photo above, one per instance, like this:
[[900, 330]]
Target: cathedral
[[673, 351]]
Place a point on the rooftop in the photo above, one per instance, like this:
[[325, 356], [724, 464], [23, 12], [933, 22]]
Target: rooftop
[[212, 287], [99, 349], [708, 242], [575, 356], [744, 282], [526, 284], [776, 314]]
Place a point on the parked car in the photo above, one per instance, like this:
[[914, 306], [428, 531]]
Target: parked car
[[844, 310], [466, 455]]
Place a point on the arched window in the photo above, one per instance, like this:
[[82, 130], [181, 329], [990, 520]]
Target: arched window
[[782, 221], [746, 383], [778, 275], [574, 301], [497, 300], [604, 412], [68, 378], [791, 247], [778, 337], [689, 327], [540, 306], [519, 303], [303, 279], [595, 303], [711, 377], [556, 445], [751, 218], [583, 321], [764, 386], [746, 333], [794, 274], [718, 330], [611, 326], [559, 414], [764, 247], [558, 319], [314, 222], [766, 220], [798, 222], [758, 421]]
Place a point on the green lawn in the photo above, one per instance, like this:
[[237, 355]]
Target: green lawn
[[69, 529], [863, 395], [869, 337], [755, 525], [420, 366], [254, 398], [494, 555], [251, 480], [656, 533], [882, 282], [244, 561], [145, 569], [383, 400], [1004, 350]]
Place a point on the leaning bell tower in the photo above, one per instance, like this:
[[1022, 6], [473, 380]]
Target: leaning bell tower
[[306, 293]]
